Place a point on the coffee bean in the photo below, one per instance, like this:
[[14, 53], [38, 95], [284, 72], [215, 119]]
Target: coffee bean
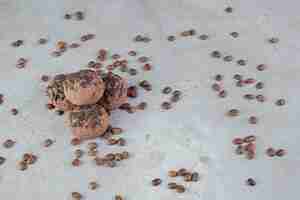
[[259, 85], [172, 185], [60, 112], [93, 185], [260, 98], [216, 54], [138, 38], [146, 39], [239, 150], [261, 67], [241, 62], [239, 83], [234, 34], [119, 197], [74, 45], [187, 177], [100, 161], [118, 157], [17, 43], [280, 102], [67, 16], [79, 15], [250, 138], [233, 113], [280, 153], [132, 72], [273, 40], [171, 38], [203, 37], [125, 155], [22, 165], [156, 182], [228, 9], [143, 59], [76, 196], [121, 142], [75, 141], [8, 143], [142, 106], [222, 94], [218, 77], [78, 153], [167, 90], [172, 173], [42, 41], [45, 78], [145, 85], [249, 96], [147, 67], [253, 120], [175, 98], [112, 141], [216, 87], [132, 53], [250, 182], [271, 152], [29, 158], [110, 156], [76, 162], [195, 176], [238, 77], [2, 160], [180, 189], [92, 145], [228, 58], [14, 111], [237, 141], [115, 56], [182, 172], [166, 105], [48, 142]]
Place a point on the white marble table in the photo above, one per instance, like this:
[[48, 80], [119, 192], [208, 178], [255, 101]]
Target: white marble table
[[195, 134]]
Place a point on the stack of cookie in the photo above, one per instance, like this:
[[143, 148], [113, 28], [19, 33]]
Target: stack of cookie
[[88, 97]]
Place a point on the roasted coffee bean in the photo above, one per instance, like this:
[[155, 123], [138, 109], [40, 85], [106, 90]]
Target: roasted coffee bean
[[14, 111], [67, 16], [125, 155], [76, 196], [93, 185], [273, 40], [233, 113], [259, 85], [166, 105], [92, 145], [203, 37], [132, 72], [92, 152], [147, 67], [222, 94], [249, 81], [60, 112], [78, 153], [115, 56], [8, 143], [110, 156], [250, 182], [216, 87], [182, 172], [29, 158], [241, 62], [17, 43], [228, 58], [195, 176], [187, 177], [45, 78], [172, 173], [118, 157], [143, 59], [180, 189], [138, 38], [216, 54], [239, 150], [219, 77], [238, 77], [156, 182], [79, 15], [42, 41], [172, 185], [121, 142], [280, 102], [56, 53], [100, 161], [228, 9], [280, 152], [167, 90], [171, 38], [132, 53], [253, 120], [249, 96], [234, 34], [261, 67], [271, 152], [48, 142], [260, 98]]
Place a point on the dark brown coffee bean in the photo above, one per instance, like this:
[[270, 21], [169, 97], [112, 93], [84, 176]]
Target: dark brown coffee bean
[[167, 90], [180, 189], [233, 113], [118, 157], [45, 78], [143, 59], [48, 142], [91, 64], [241, 62], [93, 185], [259, 85], [223, 94], [14, 111], [76, 196], [2, 160], [182, 172], [8, 143], [172, 185], [92, 145], [110, 156], [253, 120], [146, 39], [75, 141], [172, 173], [280, 102], [125, 155], [280, 152], [132, 53], [250, 138], [156, 182], [261, 67], [271, 152], [74, 45], [145, 85], [175, 98], [78, 153], [250, 182], [195, 176], [228, 58], [249, 96], [239, 150], [216, 54], [216, 87], [132, 91], [22, 165], [132, 72], [171, 38], [203, 37], [29, 158], [42, 41], [147, 67], [234, 34], [166, 105], [237, 141], [76, 162], [273, 40], [238, 77], [142, 105], [260, 98], [115, 56], [138, 38], [17, 43], [185, 33], [79, 15], [187, 177], [239, 83], [228, 9], [60, 112], [67, 16], [219, 77], [121, 142], [119, 197]]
